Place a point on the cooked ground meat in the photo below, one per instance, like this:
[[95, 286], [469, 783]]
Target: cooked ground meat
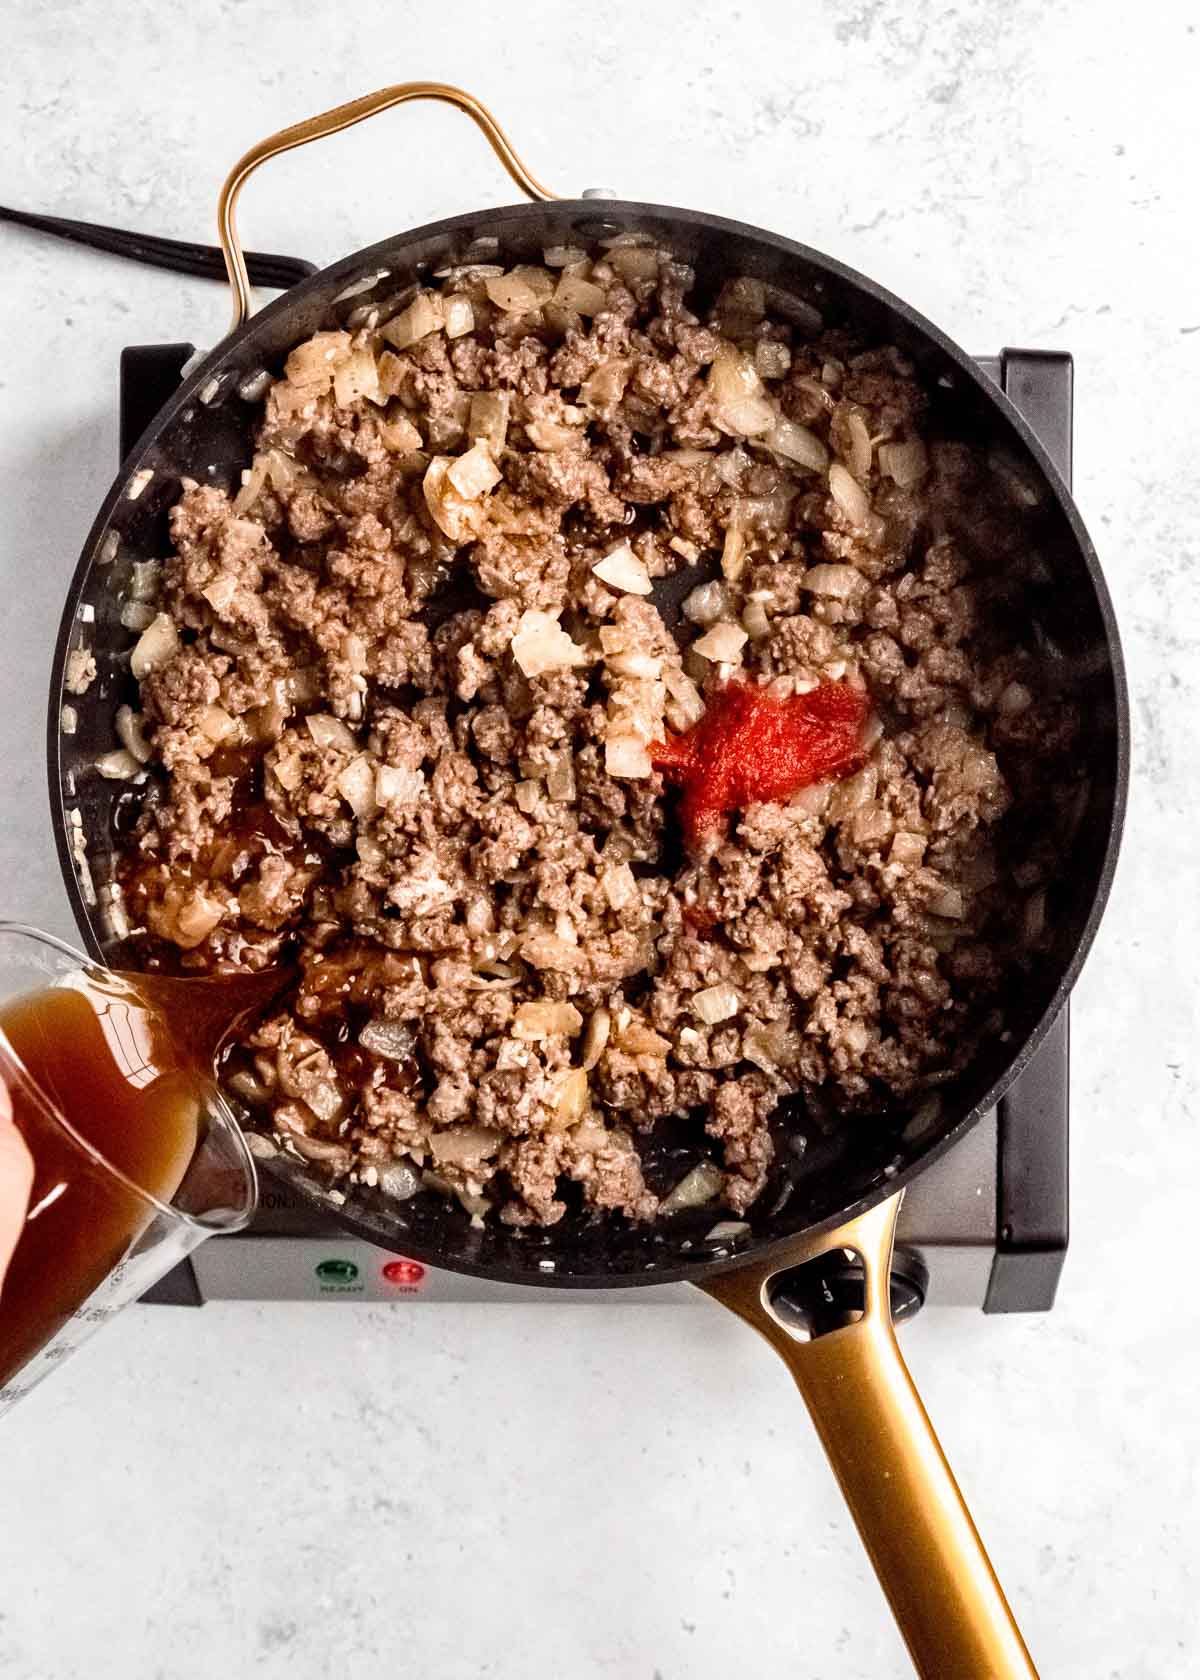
[[404, 693]]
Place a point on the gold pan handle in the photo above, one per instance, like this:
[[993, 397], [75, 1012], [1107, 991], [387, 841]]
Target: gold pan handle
[[918, 1532], [331, 122]]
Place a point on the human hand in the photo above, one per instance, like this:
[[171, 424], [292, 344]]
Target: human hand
[[16, 1181]]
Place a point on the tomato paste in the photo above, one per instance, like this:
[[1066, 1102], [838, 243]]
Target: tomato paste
[[752, 746]]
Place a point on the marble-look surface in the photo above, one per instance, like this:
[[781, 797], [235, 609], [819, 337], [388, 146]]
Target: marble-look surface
[[512, 1492]]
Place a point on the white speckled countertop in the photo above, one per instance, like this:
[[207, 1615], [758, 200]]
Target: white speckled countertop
[[517, 1491]]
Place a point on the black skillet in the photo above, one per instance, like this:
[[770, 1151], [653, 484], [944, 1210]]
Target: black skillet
[[843, 1193]]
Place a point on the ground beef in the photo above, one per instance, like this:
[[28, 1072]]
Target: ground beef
[[403, 726]]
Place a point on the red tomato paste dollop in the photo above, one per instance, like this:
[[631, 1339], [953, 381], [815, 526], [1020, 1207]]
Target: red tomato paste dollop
[[753, 747]]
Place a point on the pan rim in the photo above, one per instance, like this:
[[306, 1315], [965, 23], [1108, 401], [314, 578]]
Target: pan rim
[[765, 1249]]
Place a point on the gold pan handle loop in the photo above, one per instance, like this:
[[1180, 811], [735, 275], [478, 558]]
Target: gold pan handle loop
[[332, 122]]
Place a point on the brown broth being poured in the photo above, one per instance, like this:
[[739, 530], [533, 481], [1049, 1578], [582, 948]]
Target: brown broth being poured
[[123, 1063]]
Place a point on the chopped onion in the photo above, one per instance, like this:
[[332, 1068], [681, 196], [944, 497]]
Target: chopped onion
[[573, 1094], [327, 731], [861, 450], [746, 416], [399, 1180], [744, 295], [812, 801], [460, 518], [905, 463], [620, 886], [254, 387], [700, 1186], [355, 288], [1020, 484], [685, 705], [856, 1036], [771, 359], [723, 643], [394, 1040], [625, 755], [768, 1047], [716, 1003], [215, 722], [739, 405], [549, 436], [488, 418], [539, 282], [301, 686], [137, 615], [947, 902], [144, 580], [635, 262], [849, 494], [356, 784], [833, 579], [563, 256], [424, 315], [623, 570], [583, 296], [221, 591], [767, 513], [526, 795], [158, 644], [725, 1230], [560, 779], [472, 475], [509, 293], [130, 733], [541, 644], [853, 794], [796, 443], [606, 385], [463, 1146], [1015, 699], [310, 365], [707, 603], [357, 376], [546, 950], [398, 786], [733, 554], [118, 766], [460, 317], [195, 919], [544, 1019], [647, 666], [907, 849], [755, 621], [399, 436], [596, 1037]]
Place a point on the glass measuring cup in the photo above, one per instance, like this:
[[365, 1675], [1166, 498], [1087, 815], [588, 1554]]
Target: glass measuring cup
[[136, 1157]]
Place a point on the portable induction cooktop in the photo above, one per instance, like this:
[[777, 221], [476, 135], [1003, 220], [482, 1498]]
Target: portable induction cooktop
[[984, 1227]]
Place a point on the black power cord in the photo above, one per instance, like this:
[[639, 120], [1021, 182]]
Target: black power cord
[[180, 256]]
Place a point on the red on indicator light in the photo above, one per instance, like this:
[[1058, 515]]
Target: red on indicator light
[[404, 1271]]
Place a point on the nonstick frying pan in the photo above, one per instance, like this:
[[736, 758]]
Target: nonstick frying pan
[[840, 1198]]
